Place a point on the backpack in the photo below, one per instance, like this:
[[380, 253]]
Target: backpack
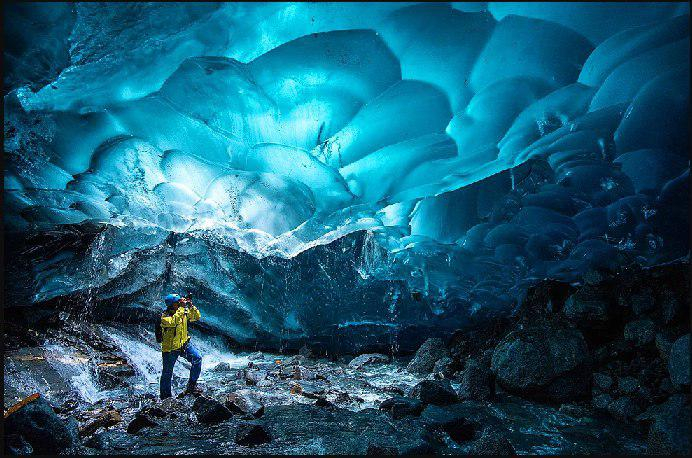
[[158, 330]]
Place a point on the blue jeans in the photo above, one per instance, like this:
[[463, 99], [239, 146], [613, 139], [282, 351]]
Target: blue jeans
[[188, 352]]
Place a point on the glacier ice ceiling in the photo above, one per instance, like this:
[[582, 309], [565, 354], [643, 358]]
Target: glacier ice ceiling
[[309, 164]]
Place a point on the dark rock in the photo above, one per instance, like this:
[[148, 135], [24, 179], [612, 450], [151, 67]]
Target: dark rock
[[438, 392], [601, 401], [210, 411], [253, 377], [627, 385], [589, 306], [624, 408], [492, 442], [666, 386], [303, 373], [251, 435], [670, 432], [369, 358], [640, 332], [460, 421], [444, 366], [399, 407], [679, 361], [378, 450], [642, 301], [345, 432], [603, 381], [427, 355], [141, 421], [671, 307], [114, 374], [543, 362], [245, 403], [323, 402], [221, 367], [575, 410], [476, 382], [256, 356], [664, 342], [34, 425], [104, 419], [305, 351]]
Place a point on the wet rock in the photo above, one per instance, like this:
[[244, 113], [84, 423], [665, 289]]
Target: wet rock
[[221, 367], [460, 421], [400, 407], [245, 403], [33, 425], [307, 389], [114, 374], [427, 355], [543, 362], [492, 442], [256, 356], [251, 435], [210, 411], [589, 306], [293, 360], [670, 307], [437, 392], [444, 366], [254, 377], [306, 351], [142, 420], [368, 358], [624, 408], [104, 419], [679, 361], [640, 332], [670, 432], [476, 382], [324, 403], [603, 381], [302, 373], [340, 431]]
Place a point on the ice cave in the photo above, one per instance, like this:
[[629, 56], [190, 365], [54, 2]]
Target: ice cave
[[428, 228]]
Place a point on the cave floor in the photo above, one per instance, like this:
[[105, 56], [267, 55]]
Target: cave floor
[[85, 379]]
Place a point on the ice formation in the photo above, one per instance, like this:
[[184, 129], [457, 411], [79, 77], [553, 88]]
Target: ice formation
[[480, 146]]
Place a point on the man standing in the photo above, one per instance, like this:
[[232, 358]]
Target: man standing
[[176, 342]]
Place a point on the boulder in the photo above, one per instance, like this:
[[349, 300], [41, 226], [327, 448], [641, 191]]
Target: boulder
[[444, 367], [32, 425], [679, 361], [368, 358], [103, 419], [250, 435], [601, 401], [603, 381], [142, 420], [437, 392], [221, 367], [476, 382], [642, 301], [543, 362], [245, 403], [627, 385], [460, 421], [400, 407], [210, 411], [492, 442], [424, 360], [670, 431], [640, 332], [114, 374], [624, 408], [589, 306]]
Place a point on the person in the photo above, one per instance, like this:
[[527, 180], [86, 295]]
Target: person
[[176, 342]]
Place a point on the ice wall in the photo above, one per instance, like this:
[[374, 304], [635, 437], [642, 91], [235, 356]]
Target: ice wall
[[483, 146]]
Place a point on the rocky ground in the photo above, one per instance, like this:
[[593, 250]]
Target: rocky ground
[[598, 367]]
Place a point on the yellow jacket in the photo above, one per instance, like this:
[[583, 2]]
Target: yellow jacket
[[174, 327]]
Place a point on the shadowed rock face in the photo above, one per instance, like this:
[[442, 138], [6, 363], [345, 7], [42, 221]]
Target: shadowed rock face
[[217, 147]]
